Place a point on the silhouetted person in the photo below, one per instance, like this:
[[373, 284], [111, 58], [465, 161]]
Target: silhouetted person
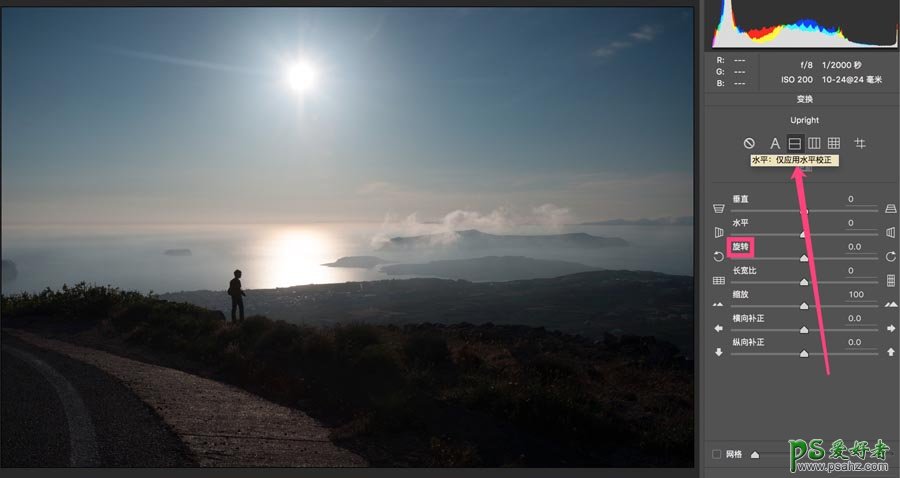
[[237, 295]]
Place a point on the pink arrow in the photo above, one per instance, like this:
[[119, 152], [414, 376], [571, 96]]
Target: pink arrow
[[804, 217]]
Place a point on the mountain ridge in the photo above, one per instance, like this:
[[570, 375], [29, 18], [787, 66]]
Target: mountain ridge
[[475, 239]]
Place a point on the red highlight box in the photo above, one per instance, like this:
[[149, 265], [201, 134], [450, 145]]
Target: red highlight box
[[735, 248]]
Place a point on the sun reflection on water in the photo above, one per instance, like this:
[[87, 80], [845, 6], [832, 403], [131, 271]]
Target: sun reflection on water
[[294, 256]]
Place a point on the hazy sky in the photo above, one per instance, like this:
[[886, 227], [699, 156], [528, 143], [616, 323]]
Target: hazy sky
[[183, 115]]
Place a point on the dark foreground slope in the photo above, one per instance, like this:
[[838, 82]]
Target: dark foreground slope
[[414, 394]]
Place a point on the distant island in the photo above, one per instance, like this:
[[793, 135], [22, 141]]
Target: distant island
[[358, 262], [491, 268], [10, 272], [474, 239], [177, 252], [660, 221]]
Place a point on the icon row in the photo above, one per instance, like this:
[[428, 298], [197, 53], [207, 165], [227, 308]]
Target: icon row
[[800, 143]]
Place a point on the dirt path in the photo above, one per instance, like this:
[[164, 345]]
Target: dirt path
[[220, 424]]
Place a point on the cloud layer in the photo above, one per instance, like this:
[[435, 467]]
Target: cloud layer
[[644, 34], [546, 217]]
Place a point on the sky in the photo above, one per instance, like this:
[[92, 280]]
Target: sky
[[184, 115]]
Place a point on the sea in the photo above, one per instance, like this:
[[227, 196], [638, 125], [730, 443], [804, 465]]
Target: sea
[[281, 255]]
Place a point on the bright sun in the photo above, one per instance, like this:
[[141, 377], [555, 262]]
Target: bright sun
[[301, 77]]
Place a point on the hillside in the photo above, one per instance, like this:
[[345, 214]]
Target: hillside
[[491, 268], [591, 304], [476, 240], [412, 395], [360, 262]]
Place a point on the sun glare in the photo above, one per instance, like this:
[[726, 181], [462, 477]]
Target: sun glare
[[295, 256], [301, 77]]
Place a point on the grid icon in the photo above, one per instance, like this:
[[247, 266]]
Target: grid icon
[[891, 280], [719, 280], [834, 142]]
